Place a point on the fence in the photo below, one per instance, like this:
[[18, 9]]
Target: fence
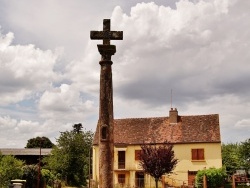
[[145, 183]]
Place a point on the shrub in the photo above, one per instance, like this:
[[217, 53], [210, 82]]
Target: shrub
[[215, 177], [48, 177], [10, 168], [30, 174]]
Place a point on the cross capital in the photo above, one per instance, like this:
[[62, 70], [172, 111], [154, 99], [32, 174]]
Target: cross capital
[[106, 35]]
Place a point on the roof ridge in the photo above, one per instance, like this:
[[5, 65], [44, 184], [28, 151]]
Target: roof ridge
[[198, 115], [141, 118], [165, 116]]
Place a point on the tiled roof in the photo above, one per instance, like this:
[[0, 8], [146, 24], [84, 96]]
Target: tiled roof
[[189, 129], [25, 151]]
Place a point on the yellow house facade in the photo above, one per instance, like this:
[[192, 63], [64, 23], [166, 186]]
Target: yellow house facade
[[196, 139]]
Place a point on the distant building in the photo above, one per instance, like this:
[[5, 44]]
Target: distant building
[[196, 139], [29, 155]]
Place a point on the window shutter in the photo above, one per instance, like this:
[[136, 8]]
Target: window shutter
[[137, 154], [194, 154], [201, 154]]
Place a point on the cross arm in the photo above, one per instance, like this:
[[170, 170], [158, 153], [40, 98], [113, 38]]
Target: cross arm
[[110, 35]]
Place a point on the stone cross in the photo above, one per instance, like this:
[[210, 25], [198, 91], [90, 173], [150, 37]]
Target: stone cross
[[106, 35], [105, 124]]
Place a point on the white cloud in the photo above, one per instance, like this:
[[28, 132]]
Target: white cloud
[[66, 104], [176, 47], [15, 133], [244, 123], [24, 126], [7, 123], [25, 70]]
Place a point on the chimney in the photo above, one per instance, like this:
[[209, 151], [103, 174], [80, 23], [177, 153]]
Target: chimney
[[173, 116]]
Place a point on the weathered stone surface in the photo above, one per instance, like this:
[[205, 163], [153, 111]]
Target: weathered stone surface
[[106, 51], [106, 35], [106, 119]]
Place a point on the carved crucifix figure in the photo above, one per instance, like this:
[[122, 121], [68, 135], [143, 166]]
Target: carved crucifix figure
[[106, 119]]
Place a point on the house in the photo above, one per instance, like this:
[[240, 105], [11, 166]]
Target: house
[[196, 139]]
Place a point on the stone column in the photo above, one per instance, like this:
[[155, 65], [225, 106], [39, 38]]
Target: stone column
[[106, 119], [106, 137]]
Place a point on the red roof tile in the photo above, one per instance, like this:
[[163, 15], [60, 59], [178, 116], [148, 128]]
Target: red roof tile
[[133, 131]]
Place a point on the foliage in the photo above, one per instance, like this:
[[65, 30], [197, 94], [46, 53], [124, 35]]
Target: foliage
[[157, 160], [30, 174], [245, 154], [236, 156], [215, 177], [38, 142], [77, 128], [231, 157], [10, 168], [70, 157], [48, 177]]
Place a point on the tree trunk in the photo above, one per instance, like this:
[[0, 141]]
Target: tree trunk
[[156, 182]]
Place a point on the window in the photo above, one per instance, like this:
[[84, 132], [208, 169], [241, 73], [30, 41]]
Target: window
[[104, 132], [138, 154], [121, 178], [139, 179], [121, 159], [198, 154]]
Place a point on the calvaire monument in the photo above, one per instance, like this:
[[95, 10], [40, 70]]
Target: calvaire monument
[[106, 118]]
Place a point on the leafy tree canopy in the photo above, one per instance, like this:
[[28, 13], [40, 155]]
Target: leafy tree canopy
[[231, 157], [236, 156], [10, 168], [245, 154], [77, 128], [38, 142], [157, 160], [70, 157]]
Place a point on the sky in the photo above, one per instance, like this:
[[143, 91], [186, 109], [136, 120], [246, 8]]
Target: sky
[[193, 55]]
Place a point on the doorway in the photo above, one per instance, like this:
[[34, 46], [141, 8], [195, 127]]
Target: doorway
[[139, 179]]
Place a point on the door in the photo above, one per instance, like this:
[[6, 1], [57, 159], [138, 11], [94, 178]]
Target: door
[[191, 177], [139, 179]]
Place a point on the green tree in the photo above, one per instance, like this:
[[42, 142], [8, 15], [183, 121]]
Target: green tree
[[48, 177], [244, 151], [231, 158], [77, 128], [38, 142], [215, 177], [10, 168], [30, 174], [157, 160], [70, 157]]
